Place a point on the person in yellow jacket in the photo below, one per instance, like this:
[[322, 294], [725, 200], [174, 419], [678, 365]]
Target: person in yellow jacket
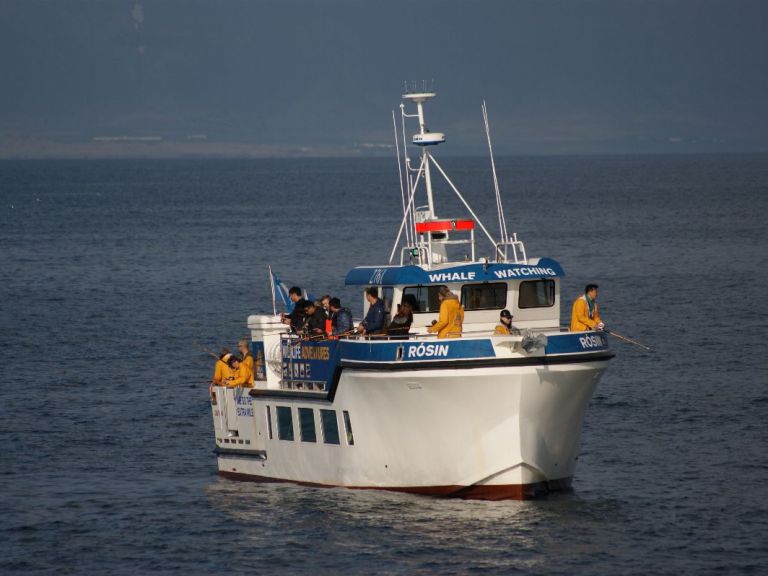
[[221, 370], [451, 319], [584, 314], [504, 327], [245, 352], [239, 374]]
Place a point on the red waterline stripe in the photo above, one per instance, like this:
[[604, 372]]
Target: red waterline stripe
[[475, 492]]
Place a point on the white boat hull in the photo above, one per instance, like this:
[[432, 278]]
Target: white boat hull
[[486, 432]]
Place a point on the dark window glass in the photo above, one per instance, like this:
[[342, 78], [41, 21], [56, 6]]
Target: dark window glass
[[422, 298], [348, 426], [269, 422], [284, 423], [537, 294], [330, 426], [307, 425], [484, 296], [386, 295]]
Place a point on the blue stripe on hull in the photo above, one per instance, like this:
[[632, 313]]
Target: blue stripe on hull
[[417, 350], [576, 342], [308, 362]]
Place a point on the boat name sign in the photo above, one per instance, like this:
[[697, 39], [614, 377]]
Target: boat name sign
[[592, 341], [427, 351], [504, 273], [472, 272]]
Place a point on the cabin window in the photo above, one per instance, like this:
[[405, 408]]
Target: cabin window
[[348, 426], [536, 294], [284, 423], [330, 426], [269, 422], [307, 425], [484, 296], [386, 293], [422, 298]]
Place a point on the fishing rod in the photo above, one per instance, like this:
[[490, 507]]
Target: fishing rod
[[206, 349], [216, 356], [223, 418], [315, 337], [318, 337], [347, 333], [629, 340]]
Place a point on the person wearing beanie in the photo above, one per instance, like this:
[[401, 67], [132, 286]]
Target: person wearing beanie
[[220, 371]]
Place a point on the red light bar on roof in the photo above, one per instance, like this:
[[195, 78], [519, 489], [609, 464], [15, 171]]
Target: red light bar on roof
[[444, 226]]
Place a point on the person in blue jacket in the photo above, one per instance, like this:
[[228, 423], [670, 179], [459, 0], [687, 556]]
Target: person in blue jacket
[[341, 318], [374, 320]]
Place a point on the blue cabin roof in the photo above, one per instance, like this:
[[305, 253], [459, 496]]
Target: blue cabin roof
[[474, 272]]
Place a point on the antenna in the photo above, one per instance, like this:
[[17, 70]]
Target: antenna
[[400, 174], [424, 137], [423, 246], [504, 238]]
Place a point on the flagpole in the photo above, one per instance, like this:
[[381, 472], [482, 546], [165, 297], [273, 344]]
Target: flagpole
[[272, 284]]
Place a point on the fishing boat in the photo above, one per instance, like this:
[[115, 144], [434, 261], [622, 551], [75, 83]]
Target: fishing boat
[[484, 415]]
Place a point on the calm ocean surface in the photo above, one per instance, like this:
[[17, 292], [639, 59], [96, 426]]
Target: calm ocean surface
[[111, 270]]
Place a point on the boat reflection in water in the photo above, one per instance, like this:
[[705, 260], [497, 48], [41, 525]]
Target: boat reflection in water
[[355, 527]]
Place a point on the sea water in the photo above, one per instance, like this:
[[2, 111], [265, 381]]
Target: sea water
[[111, 271]]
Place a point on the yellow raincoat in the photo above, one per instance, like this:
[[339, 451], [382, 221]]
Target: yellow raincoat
[[248, 361], [220, 372], [580, 320], [241, 376], [451, 319]]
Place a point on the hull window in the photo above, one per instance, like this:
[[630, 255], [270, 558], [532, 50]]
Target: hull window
[[330, 426], [536, 294], [348, 427], [307, 425], [269, 422], [284, 423], [484, 296]]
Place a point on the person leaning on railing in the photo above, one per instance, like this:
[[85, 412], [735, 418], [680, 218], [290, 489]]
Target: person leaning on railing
[[221, 370], [239, 374], [314, 321]]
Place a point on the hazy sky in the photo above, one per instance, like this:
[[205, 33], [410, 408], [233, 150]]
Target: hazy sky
[[321, 77]]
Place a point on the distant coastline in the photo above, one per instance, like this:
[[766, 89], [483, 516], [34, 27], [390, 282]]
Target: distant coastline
[[157, 147]]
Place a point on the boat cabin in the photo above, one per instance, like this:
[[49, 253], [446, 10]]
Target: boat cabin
[[531, 292]]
